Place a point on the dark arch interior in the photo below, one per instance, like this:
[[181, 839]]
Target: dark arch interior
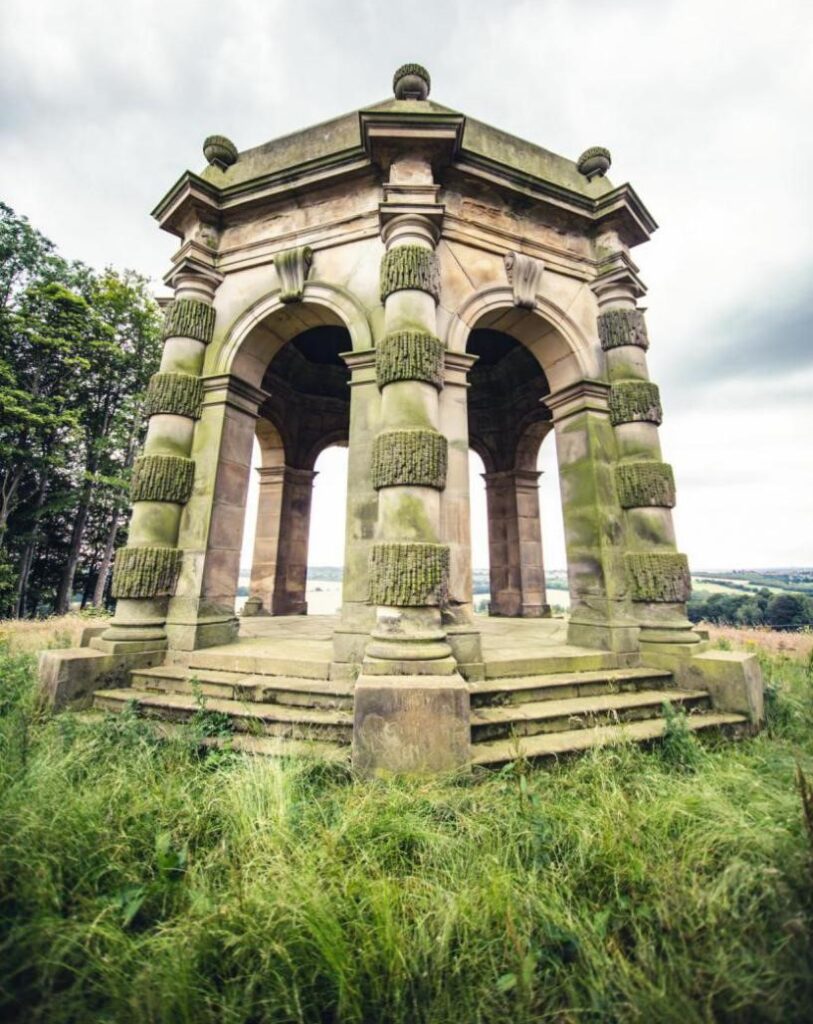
[[309, 395], [505, 398]]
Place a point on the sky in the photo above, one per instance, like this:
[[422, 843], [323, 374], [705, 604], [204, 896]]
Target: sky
[[705, 105]]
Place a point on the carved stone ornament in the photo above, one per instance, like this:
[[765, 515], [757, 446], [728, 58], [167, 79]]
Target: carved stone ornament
[[293, 267], [524, 274]]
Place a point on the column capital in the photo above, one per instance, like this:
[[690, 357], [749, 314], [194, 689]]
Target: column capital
[[410, 224], [522, 478], [617, 284], [226, 389], [583, 396], [193, 274], [456, 366]]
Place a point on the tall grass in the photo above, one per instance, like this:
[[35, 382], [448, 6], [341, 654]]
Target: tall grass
[[146, 882]]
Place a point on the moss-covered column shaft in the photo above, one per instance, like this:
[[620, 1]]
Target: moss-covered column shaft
[[146, 569], [657, 575], [202, 611], [409, 567], [517, 575], [600, 613]]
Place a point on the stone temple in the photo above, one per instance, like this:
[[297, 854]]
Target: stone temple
[[411, 283]]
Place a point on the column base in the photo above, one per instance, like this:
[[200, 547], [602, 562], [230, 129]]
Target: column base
[[211, 631], [664, 623], [408, 725]]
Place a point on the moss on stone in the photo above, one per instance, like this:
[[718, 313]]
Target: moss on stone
[[190, 318], [646, 483], [409, 355], [619, 327], [146, 572], [635, 401], [162, 478], [409, 575], [410, 267], [658, 577], [179, 394], [417, 457]]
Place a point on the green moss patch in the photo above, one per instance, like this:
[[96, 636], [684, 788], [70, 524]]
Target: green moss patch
[[405, 575], [659, 577], [179, 394], [162, 478], [417, 457], [190, 318], [410, 267], [146, 572], [409, 355], [644, 484], [619, 327], [635, 401]]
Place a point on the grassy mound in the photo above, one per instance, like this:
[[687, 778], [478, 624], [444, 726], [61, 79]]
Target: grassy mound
[[144, 881]]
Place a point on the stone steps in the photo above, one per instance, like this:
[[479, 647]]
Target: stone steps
[[503, 664], [564, 685], [254, 717], [560, 716], [247, 662], [574, 741], [224, 685]]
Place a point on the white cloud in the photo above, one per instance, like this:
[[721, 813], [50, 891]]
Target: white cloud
[[704, 104]]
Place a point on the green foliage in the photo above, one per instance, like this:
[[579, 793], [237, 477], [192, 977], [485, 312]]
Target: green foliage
[[679, 747], [77, 348], [754, 608], [142, 881]]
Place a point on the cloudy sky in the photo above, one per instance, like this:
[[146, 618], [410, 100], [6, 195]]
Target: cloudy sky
[[706, 106]]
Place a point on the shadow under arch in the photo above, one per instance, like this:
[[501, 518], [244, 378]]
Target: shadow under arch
[[266, 325]]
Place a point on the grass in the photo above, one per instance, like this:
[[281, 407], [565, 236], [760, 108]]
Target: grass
[[151, 882]]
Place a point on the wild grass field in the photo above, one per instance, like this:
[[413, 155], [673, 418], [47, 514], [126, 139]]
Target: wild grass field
[[145, 881]]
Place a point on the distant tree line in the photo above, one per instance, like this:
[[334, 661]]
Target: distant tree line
[[77, 349], [759, 608]]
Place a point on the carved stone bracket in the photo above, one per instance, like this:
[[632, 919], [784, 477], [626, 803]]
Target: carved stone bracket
[[293, 267], [524, 274]]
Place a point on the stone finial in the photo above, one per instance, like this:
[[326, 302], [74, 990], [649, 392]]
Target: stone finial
[[594, 162], [293, 267], [411, 82], [524, 274], [220, 151]]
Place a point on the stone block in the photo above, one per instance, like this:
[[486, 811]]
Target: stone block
[[733, 679], [71, 675], [410, 725]]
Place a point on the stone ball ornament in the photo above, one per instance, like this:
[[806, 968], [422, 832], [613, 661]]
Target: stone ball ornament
[[411, 82], [594, 162], [220, 151]]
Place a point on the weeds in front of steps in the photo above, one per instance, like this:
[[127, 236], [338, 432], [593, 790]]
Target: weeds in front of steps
[[142, 881]]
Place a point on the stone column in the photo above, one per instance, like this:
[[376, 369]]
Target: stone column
[[411, 706], [357, 617], [516, 570], [146, 570], [600, 614], [455, 511], [291, 579], [202, 611], [657, 575], [266, 537]]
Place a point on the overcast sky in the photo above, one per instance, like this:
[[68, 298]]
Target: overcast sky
[[706, 106]]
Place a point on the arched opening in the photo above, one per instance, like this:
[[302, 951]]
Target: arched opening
[[306, 412], [327, 530], [508, 422], [480, 572]]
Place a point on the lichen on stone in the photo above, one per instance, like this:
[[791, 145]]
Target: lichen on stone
[[633, 401], [416, 457], [190, 318], [146, 572], [179, 394], [409, 355], [162, 478], [404, 575], [660, 577], [619, 327], [644, 484], [410, 267]]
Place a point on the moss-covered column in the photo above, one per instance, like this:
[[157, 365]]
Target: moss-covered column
[[517, 575], [202, 611], [600, 613], [657, 575], [146, 570], [411, 706]]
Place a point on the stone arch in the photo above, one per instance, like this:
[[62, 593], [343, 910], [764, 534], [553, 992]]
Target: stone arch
[[564, 351], [256, 336], [269, 439], [530, 439]]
